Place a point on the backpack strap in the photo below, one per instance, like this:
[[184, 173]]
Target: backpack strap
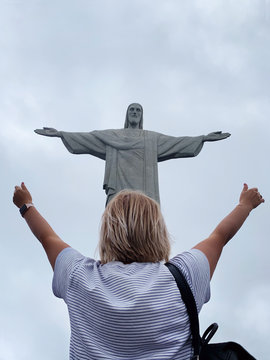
[[190, 303]]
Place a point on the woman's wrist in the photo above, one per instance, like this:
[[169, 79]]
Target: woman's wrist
[[25, 207], [247, 207]]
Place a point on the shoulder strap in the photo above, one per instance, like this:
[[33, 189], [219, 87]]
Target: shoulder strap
[[190, 303]]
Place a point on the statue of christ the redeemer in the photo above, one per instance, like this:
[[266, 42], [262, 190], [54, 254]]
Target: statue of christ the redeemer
[[132, 154]]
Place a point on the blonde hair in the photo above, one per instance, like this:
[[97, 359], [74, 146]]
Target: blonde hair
[[133, 229]]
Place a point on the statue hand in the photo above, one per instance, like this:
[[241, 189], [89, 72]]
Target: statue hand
[[46, 131], [215, 136]]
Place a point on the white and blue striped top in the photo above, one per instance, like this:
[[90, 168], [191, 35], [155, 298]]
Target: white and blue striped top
[[132, 311]]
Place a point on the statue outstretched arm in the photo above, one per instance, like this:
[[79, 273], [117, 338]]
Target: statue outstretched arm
[[170, 147], [78, 142], [215, 136], [46, 131]]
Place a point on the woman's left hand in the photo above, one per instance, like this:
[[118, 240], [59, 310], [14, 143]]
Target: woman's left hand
[[21, 196]]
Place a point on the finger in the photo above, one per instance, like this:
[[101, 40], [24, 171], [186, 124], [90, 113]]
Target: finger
[[23, 186], [245, 187], [260, 200], [260, 196], [39, 131], [254, 190]]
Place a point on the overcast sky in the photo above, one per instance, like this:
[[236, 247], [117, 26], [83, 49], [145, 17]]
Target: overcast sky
[[196, 66]]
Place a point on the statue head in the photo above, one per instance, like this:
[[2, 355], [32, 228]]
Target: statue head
[[133, 229], [134, 116]]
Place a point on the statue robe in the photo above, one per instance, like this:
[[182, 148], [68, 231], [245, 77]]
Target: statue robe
[[131, 155]]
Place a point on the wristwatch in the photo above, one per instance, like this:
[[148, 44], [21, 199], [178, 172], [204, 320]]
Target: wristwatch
[[24, 208]]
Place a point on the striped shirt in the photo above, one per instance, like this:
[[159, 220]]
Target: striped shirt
[[129, 311]]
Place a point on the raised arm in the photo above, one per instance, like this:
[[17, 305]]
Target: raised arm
[[50, 241], [228, 227]]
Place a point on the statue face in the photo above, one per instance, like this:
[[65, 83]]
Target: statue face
[[134, 115]]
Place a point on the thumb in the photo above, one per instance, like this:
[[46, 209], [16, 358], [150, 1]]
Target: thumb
[[23, 186], [245, 187]]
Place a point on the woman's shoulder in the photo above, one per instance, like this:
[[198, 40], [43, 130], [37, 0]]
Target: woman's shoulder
[[195, 267]]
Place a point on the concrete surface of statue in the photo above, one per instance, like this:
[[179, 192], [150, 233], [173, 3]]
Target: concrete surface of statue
[[132, 154]]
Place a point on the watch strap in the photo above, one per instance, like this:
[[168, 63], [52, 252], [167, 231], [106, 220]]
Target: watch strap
[[25, 208]]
